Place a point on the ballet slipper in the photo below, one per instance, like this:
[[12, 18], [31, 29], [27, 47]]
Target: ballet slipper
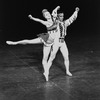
[[68, 73], [46, 76]]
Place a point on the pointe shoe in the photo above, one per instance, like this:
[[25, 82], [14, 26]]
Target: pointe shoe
[[46, 76], [68, 73], [10, 43]]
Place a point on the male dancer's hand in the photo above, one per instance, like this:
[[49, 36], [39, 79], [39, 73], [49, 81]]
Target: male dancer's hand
[[54, 12], [58, 7], [77, 9]]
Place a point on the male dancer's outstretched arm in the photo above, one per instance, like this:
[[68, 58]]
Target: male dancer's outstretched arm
[[73, 17]]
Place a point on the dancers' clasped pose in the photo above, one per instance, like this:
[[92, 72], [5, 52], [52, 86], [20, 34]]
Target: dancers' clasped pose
[[53, 39]]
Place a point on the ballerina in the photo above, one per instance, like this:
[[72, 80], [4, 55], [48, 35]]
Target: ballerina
[[46, 38]]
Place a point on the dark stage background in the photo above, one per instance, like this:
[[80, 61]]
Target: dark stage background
[[15, 24]]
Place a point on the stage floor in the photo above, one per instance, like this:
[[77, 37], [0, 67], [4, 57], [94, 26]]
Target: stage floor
[[21, 75]]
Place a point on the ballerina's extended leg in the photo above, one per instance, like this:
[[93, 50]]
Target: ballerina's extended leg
[[33, 41]]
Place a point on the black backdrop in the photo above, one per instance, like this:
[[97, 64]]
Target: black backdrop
[[15, 24]]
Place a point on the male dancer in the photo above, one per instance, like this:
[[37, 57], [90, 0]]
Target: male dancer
[[59, 41], [46, 38]]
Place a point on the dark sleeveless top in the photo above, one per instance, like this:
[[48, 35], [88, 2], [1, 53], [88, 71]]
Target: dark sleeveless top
[[45, 36], [53, 27]]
